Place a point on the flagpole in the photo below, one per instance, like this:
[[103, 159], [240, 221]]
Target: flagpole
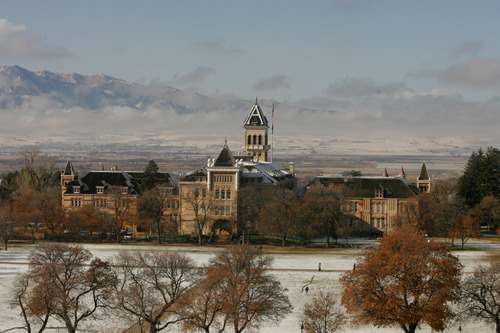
[[272, 132]]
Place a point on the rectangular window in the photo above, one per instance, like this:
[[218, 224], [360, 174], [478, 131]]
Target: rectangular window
[[378, 207], [379, 194], [356, 207], [217, 194], [76, 189], [228, 194], [228, 210], [223, 194], [204, 193], [100, 189], [383, 207]]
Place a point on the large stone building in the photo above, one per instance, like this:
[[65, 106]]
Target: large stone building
[[113, 192], [207, 198], [209, 193], [374, 205]]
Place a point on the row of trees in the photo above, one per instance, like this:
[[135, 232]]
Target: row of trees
[[157, 289], [406, 282]]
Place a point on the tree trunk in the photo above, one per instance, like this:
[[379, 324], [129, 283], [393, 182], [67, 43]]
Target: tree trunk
[[283, 241], [158, 227]]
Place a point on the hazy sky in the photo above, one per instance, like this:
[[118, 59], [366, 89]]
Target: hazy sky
[[434, 61], [289, 50]]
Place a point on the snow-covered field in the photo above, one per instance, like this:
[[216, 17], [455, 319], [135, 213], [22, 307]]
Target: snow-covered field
[[292, 267]]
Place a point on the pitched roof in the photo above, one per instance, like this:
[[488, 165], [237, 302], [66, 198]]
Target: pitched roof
[[385, 173], [92, 179], [366, 187], [256, 117], [69, 171], [424, 175], [402, 173], [225, 159]]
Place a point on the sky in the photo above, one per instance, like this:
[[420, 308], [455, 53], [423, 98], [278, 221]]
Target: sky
[[411, 65]]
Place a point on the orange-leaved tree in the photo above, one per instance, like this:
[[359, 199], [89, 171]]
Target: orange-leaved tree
[[465, 228], [405, 282]]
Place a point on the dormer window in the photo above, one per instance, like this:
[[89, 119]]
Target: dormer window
[[99, 189], [76, 189], [125, 190], [379, 193]]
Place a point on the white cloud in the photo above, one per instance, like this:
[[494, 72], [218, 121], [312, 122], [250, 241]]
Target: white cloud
[[197, 76], [7, 28], [25, 46], [478, 73]]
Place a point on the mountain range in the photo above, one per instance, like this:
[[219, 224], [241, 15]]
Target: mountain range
[[41, 107]]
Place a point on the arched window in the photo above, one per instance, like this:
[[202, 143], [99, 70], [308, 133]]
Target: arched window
[[260, 139], [249, 139], [255, 139]]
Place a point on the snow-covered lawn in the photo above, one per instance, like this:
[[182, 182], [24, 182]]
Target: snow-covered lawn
[[293, 267]]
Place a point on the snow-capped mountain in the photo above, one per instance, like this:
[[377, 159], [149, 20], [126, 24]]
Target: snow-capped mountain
[[19, 87]]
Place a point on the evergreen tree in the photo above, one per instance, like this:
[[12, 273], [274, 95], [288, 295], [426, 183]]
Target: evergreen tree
[[150, 176], [481, 176]]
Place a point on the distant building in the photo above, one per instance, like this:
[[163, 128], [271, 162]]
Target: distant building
[[109, 191], [216, 187], [374, 204]]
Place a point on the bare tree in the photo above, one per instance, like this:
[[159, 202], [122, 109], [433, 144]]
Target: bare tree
[[50, 209], [37, 172], [122, 210], [59, 284], [35, 302], [202, 204], [248, 203], [250, 295], [203, 308], [321, 315], [149, 283], [324, 206], [480, 296], [153, 204], [27, 214], [279, 215]]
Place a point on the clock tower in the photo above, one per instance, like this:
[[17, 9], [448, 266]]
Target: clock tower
[[256, 134]]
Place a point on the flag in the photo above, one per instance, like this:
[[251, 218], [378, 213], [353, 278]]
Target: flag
[[272, 120]]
